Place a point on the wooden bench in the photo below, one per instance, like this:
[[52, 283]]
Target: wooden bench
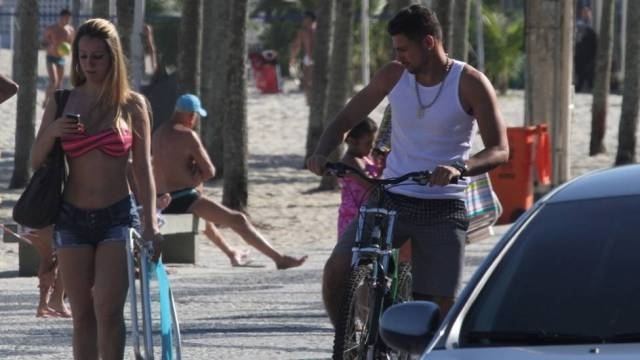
[[28, 260], [179, 233]]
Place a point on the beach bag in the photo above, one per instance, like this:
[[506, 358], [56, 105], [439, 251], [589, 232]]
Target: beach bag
[[483, 207], [39, 204]]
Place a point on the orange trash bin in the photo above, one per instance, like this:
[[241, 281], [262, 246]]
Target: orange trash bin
[[513, 181]]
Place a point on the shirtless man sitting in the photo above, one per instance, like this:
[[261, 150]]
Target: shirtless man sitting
[[181, 165], [55, 35]]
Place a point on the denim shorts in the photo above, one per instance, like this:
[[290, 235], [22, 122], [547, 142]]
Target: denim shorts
[[80, 227]]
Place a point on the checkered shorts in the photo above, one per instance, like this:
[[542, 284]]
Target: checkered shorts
[[424, 211]]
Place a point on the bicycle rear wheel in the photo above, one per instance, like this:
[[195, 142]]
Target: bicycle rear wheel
[[352, 331]]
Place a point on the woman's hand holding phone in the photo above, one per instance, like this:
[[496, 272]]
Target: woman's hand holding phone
[[75, 120]]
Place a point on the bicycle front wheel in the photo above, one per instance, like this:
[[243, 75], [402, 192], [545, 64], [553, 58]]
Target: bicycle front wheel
[[405, 283], [352, 331], [404, 293]]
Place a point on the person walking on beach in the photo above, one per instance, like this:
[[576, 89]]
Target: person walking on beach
[[304, 39], [181, 165], [586, 46], [436, 103], [98, 209], [57, 40], [51, 302], [8, 88]]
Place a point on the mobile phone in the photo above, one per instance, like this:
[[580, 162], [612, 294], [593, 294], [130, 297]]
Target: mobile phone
[[75, 117]]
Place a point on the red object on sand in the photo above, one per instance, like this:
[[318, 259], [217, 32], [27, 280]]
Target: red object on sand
[[265, 71]]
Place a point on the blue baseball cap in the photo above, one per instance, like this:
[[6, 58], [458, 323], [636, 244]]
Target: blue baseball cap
[[190, 103]]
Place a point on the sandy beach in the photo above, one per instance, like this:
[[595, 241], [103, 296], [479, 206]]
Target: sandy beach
[[281, 201], [279, 191]]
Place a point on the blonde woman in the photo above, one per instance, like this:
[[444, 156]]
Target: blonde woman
[[98, 208]]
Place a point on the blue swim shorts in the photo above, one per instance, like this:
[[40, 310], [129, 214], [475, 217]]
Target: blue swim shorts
[[80, 227], [60, 61]]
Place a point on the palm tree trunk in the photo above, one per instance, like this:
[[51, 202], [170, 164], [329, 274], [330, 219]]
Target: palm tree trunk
[[75, 13], [215, 48], [26, 76], [339, 86], [393, 6], [629, 115], [444, 11], [235, 190], [602, 80], [460, 28], [190, 47], [319, 86]]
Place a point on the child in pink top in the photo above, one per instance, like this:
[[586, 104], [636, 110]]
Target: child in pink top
[[358, 155]]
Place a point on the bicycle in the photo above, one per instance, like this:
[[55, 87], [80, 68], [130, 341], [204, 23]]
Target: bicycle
[[141, 268], [375, 282]]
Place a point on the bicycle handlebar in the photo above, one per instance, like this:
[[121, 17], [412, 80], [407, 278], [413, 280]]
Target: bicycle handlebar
[[339, 169]]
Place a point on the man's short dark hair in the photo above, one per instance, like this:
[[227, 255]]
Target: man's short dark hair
[[65, 12], [415, 22], [310, 14]]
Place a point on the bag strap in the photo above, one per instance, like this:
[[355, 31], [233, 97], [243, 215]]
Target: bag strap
[[61, 95]]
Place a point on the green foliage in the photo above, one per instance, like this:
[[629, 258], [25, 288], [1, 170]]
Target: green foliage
[[380, 48], [158, 7], [283, 18], [165, 35], [164, 17], [504, 48], [380, 51]]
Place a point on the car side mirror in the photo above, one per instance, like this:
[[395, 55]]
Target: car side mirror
[[410, 326]]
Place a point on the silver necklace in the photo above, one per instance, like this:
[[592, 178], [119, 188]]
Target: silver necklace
[[422, 108]]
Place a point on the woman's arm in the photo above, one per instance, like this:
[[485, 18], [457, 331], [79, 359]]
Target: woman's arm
[[142, 171], [50, 129], [203, 168]]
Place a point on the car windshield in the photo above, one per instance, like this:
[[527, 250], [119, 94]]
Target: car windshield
[[571, 277]]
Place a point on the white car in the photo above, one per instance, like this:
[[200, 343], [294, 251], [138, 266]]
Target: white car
[[563, 283]]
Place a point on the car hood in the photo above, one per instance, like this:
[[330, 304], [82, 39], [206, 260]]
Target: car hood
[[568, 352]]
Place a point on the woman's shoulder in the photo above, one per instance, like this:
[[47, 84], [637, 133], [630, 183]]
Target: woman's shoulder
[[136, 99], [137, 103]]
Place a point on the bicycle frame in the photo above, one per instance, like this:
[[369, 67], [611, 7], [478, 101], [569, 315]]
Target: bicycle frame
[[135, 244], [374, 248]]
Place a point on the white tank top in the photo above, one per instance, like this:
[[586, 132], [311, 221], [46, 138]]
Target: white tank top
[[441, 135]]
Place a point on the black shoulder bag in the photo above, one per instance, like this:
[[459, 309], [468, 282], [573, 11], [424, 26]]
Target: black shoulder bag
[[39, 204]]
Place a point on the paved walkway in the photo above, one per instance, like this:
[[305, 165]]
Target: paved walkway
[[225, 313]]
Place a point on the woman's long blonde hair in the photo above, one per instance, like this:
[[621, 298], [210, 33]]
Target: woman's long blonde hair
[[116, 90]]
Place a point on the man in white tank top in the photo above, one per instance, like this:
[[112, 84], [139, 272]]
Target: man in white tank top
[[436, 104]]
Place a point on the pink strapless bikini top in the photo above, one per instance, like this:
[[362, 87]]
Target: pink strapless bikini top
[[109, 141]]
